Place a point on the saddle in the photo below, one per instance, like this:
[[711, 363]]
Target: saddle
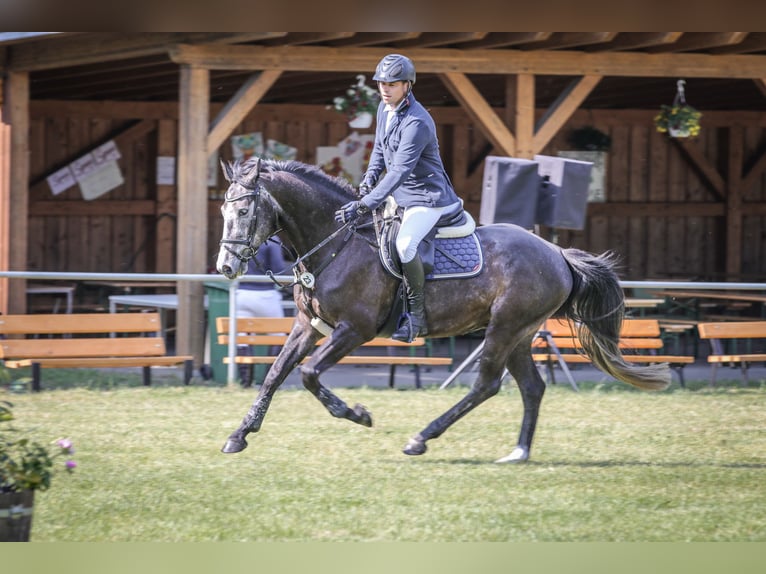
[[450, 251]]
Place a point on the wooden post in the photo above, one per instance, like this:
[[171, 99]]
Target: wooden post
[[191, 180], [14, 189], [734, 205], [525, 115], [166, 211]]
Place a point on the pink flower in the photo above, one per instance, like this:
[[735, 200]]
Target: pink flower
[[65, 444], [70, 464]]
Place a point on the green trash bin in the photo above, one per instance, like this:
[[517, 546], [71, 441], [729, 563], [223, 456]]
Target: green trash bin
[[218, 306]]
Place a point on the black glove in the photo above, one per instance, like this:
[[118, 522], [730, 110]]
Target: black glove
[[350, 212], [364, 189]]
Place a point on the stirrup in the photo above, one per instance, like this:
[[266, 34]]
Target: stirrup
[[404, 329]]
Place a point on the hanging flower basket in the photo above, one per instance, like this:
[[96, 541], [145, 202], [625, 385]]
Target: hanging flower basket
[[679, 120], [359, 104]]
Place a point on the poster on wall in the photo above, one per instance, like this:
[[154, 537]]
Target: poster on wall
[[331, 161], [280, 151], [245, 146]]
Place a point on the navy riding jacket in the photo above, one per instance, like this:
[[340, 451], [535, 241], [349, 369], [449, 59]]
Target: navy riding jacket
[[408, 153]]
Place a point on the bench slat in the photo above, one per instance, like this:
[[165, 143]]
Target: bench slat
[[75, 323], [101, 362], [92, 347], [733, 330]]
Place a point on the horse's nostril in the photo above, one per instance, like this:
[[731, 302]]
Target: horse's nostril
[[226, 270]]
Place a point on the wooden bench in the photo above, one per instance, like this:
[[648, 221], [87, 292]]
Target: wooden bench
[[271, 332], [718, 331], [87, 340], [640, 342]]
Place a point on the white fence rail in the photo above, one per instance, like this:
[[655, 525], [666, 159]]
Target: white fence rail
[[232, 286]]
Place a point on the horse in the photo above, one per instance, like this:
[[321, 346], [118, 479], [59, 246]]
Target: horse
[[342, 290]]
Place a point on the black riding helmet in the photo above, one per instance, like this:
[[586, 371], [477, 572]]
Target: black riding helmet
[[395, 68]]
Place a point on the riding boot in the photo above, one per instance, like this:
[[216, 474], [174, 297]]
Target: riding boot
[[413, 324]]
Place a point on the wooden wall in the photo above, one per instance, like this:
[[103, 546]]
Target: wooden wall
[[661, 215]]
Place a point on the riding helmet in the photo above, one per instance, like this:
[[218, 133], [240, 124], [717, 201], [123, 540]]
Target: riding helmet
[[395, 68]]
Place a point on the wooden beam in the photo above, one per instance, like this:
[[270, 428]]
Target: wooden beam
[[524, 116], [703, 41], [93, 48], [755, 42], [194, 102], [562, 111], [165, 210], [373, 38], [701, 163], [5, 200], [755, 172], [440, 60], [478, 108], [239, 106], [638, 40], [734, 211], [431, 39], [16, 115], [504, 39], [560, 40]]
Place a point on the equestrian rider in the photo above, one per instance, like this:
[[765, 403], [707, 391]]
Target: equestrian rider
[[407, 150]]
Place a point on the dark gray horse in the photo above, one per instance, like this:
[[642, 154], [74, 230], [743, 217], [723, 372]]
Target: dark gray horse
[[341, 284]]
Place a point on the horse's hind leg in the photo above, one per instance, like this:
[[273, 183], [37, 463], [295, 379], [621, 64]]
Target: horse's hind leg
[[487, 385], [532, 387]]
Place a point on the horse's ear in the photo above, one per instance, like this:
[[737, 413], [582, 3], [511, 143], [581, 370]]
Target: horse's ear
[[228, 174], [252, 177]]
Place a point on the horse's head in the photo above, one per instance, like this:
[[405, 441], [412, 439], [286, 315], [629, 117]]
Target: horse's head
[[249, 217]]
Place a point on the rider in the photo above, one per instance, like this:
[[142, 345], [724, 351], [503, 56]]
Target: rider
[[407, 149]]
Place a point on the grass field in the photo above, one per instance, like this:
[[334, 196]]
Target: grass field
[[608, 464]]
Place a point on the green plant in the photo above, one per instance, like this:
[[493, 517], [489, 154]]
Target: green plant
[[590, 139], [681, 118], [359, 98], [24, 463]]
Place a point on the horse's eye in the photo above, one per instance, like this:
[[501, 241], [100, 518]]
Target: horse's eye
[[243, 212]]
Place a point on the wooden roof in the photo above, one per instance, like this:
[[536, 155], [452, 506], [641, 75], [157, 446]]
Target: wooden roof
[[723, 70]]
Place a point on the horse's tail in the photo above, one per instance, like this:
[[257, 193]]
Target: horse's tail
[[597, 306]]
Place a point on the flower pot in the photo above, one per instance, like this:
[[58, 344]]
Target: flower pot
[[678, 132], [16, 515], [361, 120]]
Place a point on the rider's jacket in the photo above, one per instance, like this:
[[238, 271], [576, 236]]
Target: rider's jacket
[[407, 157]]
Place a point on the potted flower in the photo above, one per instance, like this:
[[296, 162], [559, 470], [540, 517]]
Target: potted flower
[[679, 120], [25, 466], [359, 104]]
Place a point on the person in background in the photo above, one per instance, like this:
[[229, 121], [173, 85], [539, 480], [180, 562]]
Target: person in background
[[405, 163], [260, 299]]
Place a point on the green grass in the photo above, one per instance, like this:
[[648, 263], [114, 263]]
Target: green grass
[[608, 464]]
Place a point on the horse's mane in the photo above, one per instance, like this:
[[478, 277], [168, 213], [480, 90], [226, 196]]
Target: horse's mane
[[310, 172]]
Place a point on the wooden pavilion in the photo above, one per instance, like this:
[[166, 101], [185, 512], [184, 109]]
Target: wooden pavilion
[[673, 208]]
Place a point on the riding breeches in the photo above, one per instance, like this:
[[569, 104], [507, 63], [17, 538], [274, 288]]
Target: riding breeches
[[417, 221]]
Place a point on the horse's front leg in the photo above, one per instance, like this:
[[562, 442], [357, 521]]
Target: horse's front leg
[[343, 340], [300, 342]]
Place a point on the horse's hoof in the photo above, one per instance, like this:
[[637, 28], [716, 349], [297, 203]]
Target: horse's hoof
[[234, 445], [362, 416], [519, 454], [415, 447]]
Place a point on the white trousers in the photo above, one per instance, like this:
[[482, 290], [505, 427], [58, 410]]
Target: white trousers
[[259, 303], [417, 221]]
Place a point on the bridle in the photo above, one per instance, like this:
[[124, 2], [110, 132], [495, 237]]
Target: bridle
[[253, 193]]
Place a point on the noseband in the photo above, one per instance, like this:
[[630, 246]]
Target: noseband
[[253, 194]]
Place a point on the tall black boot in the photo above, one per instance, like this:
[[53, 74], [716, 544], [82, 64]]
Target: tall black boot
[[413, 324]]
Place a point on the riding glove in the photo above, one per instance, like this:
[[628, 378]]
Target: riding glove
[[350, 212]]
